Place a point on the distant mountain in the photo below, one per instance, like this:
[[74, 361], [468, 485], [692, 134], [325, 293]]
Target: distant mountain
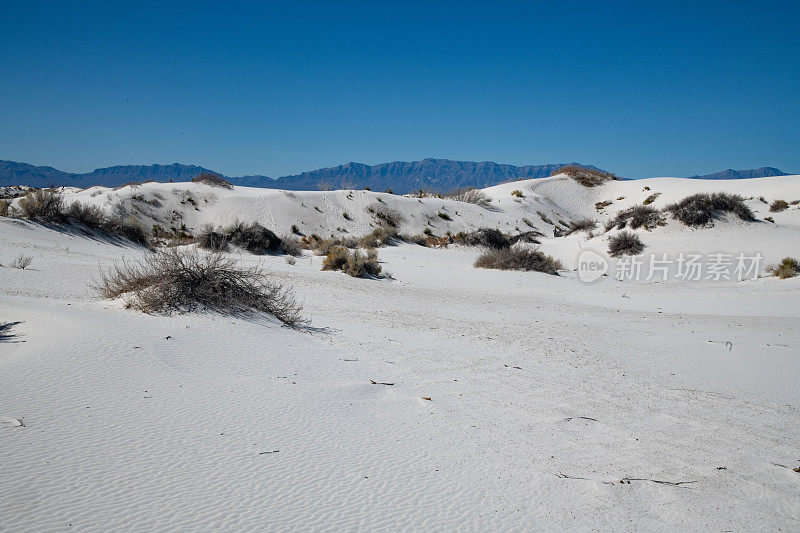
[[400, 176], [730, 174]]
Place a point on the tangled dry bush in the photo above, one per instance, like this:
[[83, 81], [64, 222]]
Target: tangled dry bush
[[625, 243], [485, 237], [42, 205], [700, 209], [5, 207], [789, 267], [471, 195], [181, 280], [378, 237], [253, 237], [212, 179], [778, 205], [353, 263], [518, 258], [638, 216], [587, 177]]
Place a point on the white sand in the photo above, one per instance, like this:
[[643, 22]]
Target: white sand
[[106, 424]]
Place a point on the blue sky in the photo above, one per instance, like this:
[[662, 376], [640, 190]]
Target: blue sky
[[255, 88]]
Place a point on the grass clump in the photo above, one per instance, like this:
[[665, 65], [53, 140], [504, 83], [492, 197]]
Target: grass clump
[[638, 216], [517, 193], [22, 262], [652, 198], [212, 179], [584, 224], [700, 209], [789, 267], [518, 258], [378, 237], [625, 243], [778, 205], [585, 176], [471, 196], [353, 263], [181, 280]]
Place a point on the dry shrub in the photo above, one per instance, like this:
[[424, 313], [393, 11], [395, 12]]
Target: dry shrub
[[585, 176], [471, 196], [789, 267], [625, 243], [485, 237], [531, 237], [778, 205], [22, 262], [378, 237], [212, 240], [182, 280], [700, 209], [385, 216], [638, 216], [652, 198], [212, 179], [291, 246], [518, 258], [42, 205], [5, 208], [517, 193], [353, 263], [584, 224], [254, 238]]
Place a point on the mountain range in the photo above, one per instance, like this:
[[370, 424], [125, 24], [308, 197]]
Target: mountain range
[[400, 176]]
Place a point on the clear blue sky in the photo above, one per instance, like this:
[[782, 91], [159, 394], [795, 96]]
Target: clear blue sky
[[273, 89]]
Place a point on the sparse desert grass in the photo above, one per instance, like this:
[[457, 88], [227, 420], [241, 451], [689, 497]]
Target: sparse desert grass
[[585, 176], [625, 243], [789, 267], [181, 280], [21, 262], [638, 216], [353, 263], [700, 209], [544, 218], [386, 216], [518, 258], [778, 205], [212, 179], [584, 224], [471, 196]]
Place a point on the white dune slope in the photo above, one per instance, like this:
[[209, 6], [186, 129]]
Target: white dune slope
[[518, 400]]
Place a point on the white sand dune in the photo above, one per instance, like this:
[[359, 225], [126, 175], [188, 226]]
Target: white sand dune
[[545, 392]]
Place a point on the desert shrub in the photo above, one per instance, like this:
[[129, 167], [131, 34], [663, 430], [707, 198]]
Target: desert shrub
[[584, 224], [485, 237], [517, 193], [291, 246], [295, 229], [181, 280], [88, 215], [531, 237], [700, 209], [212, 179], [353, 263], [21, 262], [789, 267], [585, 176], [444, 216], [638, 216], [5, 208], [652, 198], [254, 238], [211, 239], [625, 243], [602, 205], [127, 228], [378, 237], [42, 205], [518, 258], [778, 205], [413, 239], [471, 196], [769, 219]]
